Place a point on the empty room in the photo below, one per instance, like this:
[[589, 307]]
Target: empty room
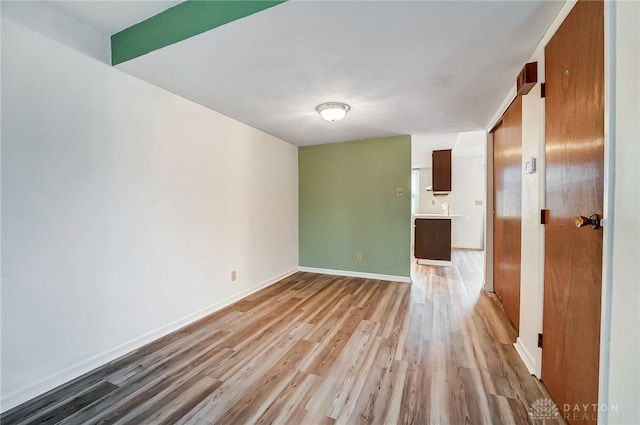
[[320, 212]]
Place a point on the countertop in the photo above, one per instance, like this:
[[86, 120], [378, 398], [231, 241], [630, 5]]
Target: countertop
[[438, 216]]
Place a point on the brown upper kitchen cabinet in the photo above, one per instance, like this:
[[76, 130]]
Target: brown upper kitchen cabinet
[[441, 171]]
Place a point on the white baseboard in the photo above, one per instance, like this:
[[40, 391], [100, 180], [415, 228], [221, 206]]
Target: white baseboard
[[526, 357], [487, 286], [478, 247], [425, 262], [9, 401], [350, 273]]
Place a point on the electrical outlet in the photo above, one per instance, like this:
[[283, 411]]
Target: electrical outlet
[[234, 276], [359, 256]]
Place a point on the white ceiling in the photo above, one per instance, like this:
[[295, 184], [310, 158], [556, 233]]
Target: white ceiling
[[110, 17], [405, 67]]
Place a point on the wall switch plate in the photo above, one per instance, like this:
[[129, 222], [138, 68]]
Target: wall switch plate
[[479, 202], [234, 276], [399, 191], [359, 256], [530, 165]]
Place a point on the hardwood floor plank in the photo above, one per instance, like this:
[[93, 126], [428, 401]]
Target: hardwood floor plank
[[328, 319], [258, 320], [249, 407], [398, 310], [290, 400], [372, 404], [145, 386], [164, 354], [500, 409], [263, 346], [330, 348], [395, 398], [87, 397], [177, 404], [135, 409], [349, 410], [346, 369], [237, 384], [319, 349], [414, 406]]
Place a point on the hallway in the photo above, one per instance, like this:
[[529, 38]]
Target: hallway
[[468, 340]]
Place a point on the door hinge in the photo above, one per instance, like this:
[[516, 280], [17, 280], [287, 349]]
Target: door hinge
[[539, 340], [543, 90], [544, 216]]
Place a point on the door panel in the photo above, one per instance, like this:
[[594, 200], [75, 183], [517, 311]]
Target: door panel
[[574, 60], [507, 196], [441, 170]]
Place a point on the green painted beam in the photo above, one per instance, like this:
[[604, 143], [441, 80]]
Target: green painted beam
[[180, 22]]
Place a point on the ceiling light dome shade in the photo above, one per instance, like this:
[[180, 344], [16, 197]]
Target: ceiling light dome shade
[[333, 111]]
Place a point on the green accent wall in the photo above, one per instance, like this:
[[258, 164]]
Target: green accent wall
[[348, 204], [178, 23]]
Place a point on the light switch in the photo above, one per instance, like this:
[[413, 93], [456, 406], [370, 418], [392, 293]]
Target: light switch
[[399, 191], [530, 165]]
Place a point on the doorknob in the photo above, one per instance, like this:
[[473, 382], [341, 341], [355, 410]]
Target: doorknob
[[593, 220]]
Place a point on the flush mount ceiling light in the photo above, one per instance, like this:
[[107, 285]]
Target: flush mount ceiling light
[[333, 111]]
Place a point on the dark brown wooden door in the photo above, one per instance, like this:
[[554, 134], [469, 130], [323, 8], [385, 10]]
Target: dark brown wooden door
[[507, 196], [574, 73]]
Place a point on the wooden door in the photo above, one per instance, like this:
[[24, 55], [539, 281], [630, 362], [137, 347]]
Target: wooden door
[[574, 60], [507, 200]]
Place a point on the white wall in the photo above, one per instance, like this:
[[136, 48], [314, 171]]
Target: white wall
[[427, 203], [124, 210], [620, 364], [467, 177], [487, 283], [532, 234], [423, 144]]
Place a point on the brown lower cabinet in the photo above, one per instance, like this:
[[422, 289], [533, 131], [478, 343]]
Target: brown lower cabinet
[[432, 239]]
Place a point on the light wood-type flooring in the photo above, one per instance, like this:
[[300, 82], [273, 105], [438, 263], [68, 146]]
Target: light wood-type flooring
[[317, 349]]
